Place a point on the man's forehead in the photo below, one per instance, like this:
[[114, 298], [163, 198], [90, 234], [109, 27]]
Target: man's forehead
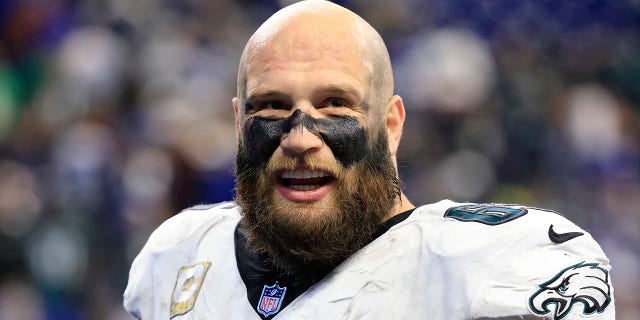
[[315, 35], [325, 58], [309, 41], [309, 46], [307, 60]]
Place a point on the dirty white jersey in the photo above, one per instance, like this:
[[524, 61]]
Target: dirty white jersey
[[444, 261]]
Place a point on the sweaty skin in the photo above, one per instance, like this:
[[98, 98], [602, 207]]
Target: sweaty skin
[[342, 134]]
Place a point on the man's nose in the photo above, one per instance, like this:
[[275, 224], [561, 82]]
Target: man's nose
[[300, 141]]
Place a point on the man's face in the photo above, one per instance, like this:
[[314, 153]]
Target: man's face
[[314, 170]]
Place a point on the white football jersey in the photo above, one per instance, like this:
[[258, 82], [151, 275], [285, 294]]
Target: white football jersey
[[445, 261]]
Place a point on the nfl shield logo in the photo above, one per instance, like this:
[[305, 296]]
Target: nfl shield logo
[[271, 299]]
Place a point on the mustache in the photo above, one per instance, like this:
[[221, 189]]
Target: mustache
[[279, 163]]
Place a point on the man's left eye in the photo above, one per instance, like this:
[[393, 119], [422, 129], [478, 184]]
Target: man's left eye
[[274, 105], [338, 102]]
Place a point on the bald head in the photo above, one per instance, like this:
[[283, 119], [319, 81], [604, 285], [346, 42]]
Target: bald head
[[309, 30]]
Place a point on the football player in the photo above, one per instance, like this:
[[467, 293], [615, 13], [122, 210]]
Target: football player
[[320, 228]]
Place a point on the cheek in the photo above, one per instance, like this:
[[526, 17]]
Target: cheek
[[346, 138], [261, 137]]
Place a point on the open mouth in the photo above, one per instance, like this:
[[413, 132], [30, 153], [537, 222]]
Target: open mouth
[[304, 179]]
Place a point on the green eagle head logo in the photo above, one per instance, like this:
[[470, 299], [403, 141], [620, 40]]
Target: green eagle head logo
[[586, 283]]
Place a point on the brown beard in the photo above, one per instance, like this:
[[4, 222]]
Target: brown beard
[[301, 238]]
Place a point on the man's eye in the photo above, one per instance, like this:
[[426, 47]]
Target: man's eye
[[274, 105], [338, 103]]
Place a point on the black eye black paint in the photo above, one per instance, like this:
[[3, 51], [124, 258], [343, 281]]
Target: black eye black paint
[[343, 134]]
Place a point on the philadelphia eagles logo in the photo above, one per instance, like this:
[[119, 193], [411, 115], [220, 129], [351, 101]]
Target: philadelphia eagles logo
[[587, 283]]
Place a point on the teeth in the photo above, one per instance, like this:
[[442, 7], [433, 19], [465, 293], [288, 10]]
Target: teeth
[[304, 187], [302, 174]]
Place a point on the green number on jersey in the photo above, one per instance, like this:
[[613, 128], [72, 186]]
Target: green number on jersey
[[491, 214]]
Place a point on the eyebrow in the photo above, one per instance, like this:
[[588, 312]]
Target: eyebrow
[[322, 90], [265, 94], [344, 90], [340, 89]]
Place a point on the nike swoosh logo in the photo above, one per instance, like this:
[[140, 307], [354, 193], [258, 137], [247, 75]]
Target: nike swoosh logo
[[562, 237]]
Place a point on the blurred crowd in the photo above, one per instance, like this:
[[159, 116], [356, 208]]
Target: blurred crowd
[[116, 114]]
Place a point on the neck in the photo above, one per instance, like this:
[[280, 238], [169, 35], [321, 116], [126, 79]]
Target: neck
[[401, 205]]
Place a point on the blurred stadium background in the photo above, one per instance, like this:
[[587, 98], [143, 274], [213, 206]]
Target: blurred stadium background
[[116, 114]]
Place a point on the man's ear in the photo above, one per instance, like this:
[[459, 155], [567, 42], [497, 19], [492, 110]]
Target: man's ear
[[236, 113], [394, 121]]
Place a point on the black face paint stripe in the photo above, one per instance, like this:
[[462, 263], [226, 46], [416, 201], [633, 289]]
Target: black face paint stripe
[[343, 134]]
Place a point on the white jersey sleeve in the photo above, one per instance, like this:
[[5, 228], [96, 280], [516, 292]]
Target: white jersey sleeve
[[536, 262], [175, 251], [141, 294]]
